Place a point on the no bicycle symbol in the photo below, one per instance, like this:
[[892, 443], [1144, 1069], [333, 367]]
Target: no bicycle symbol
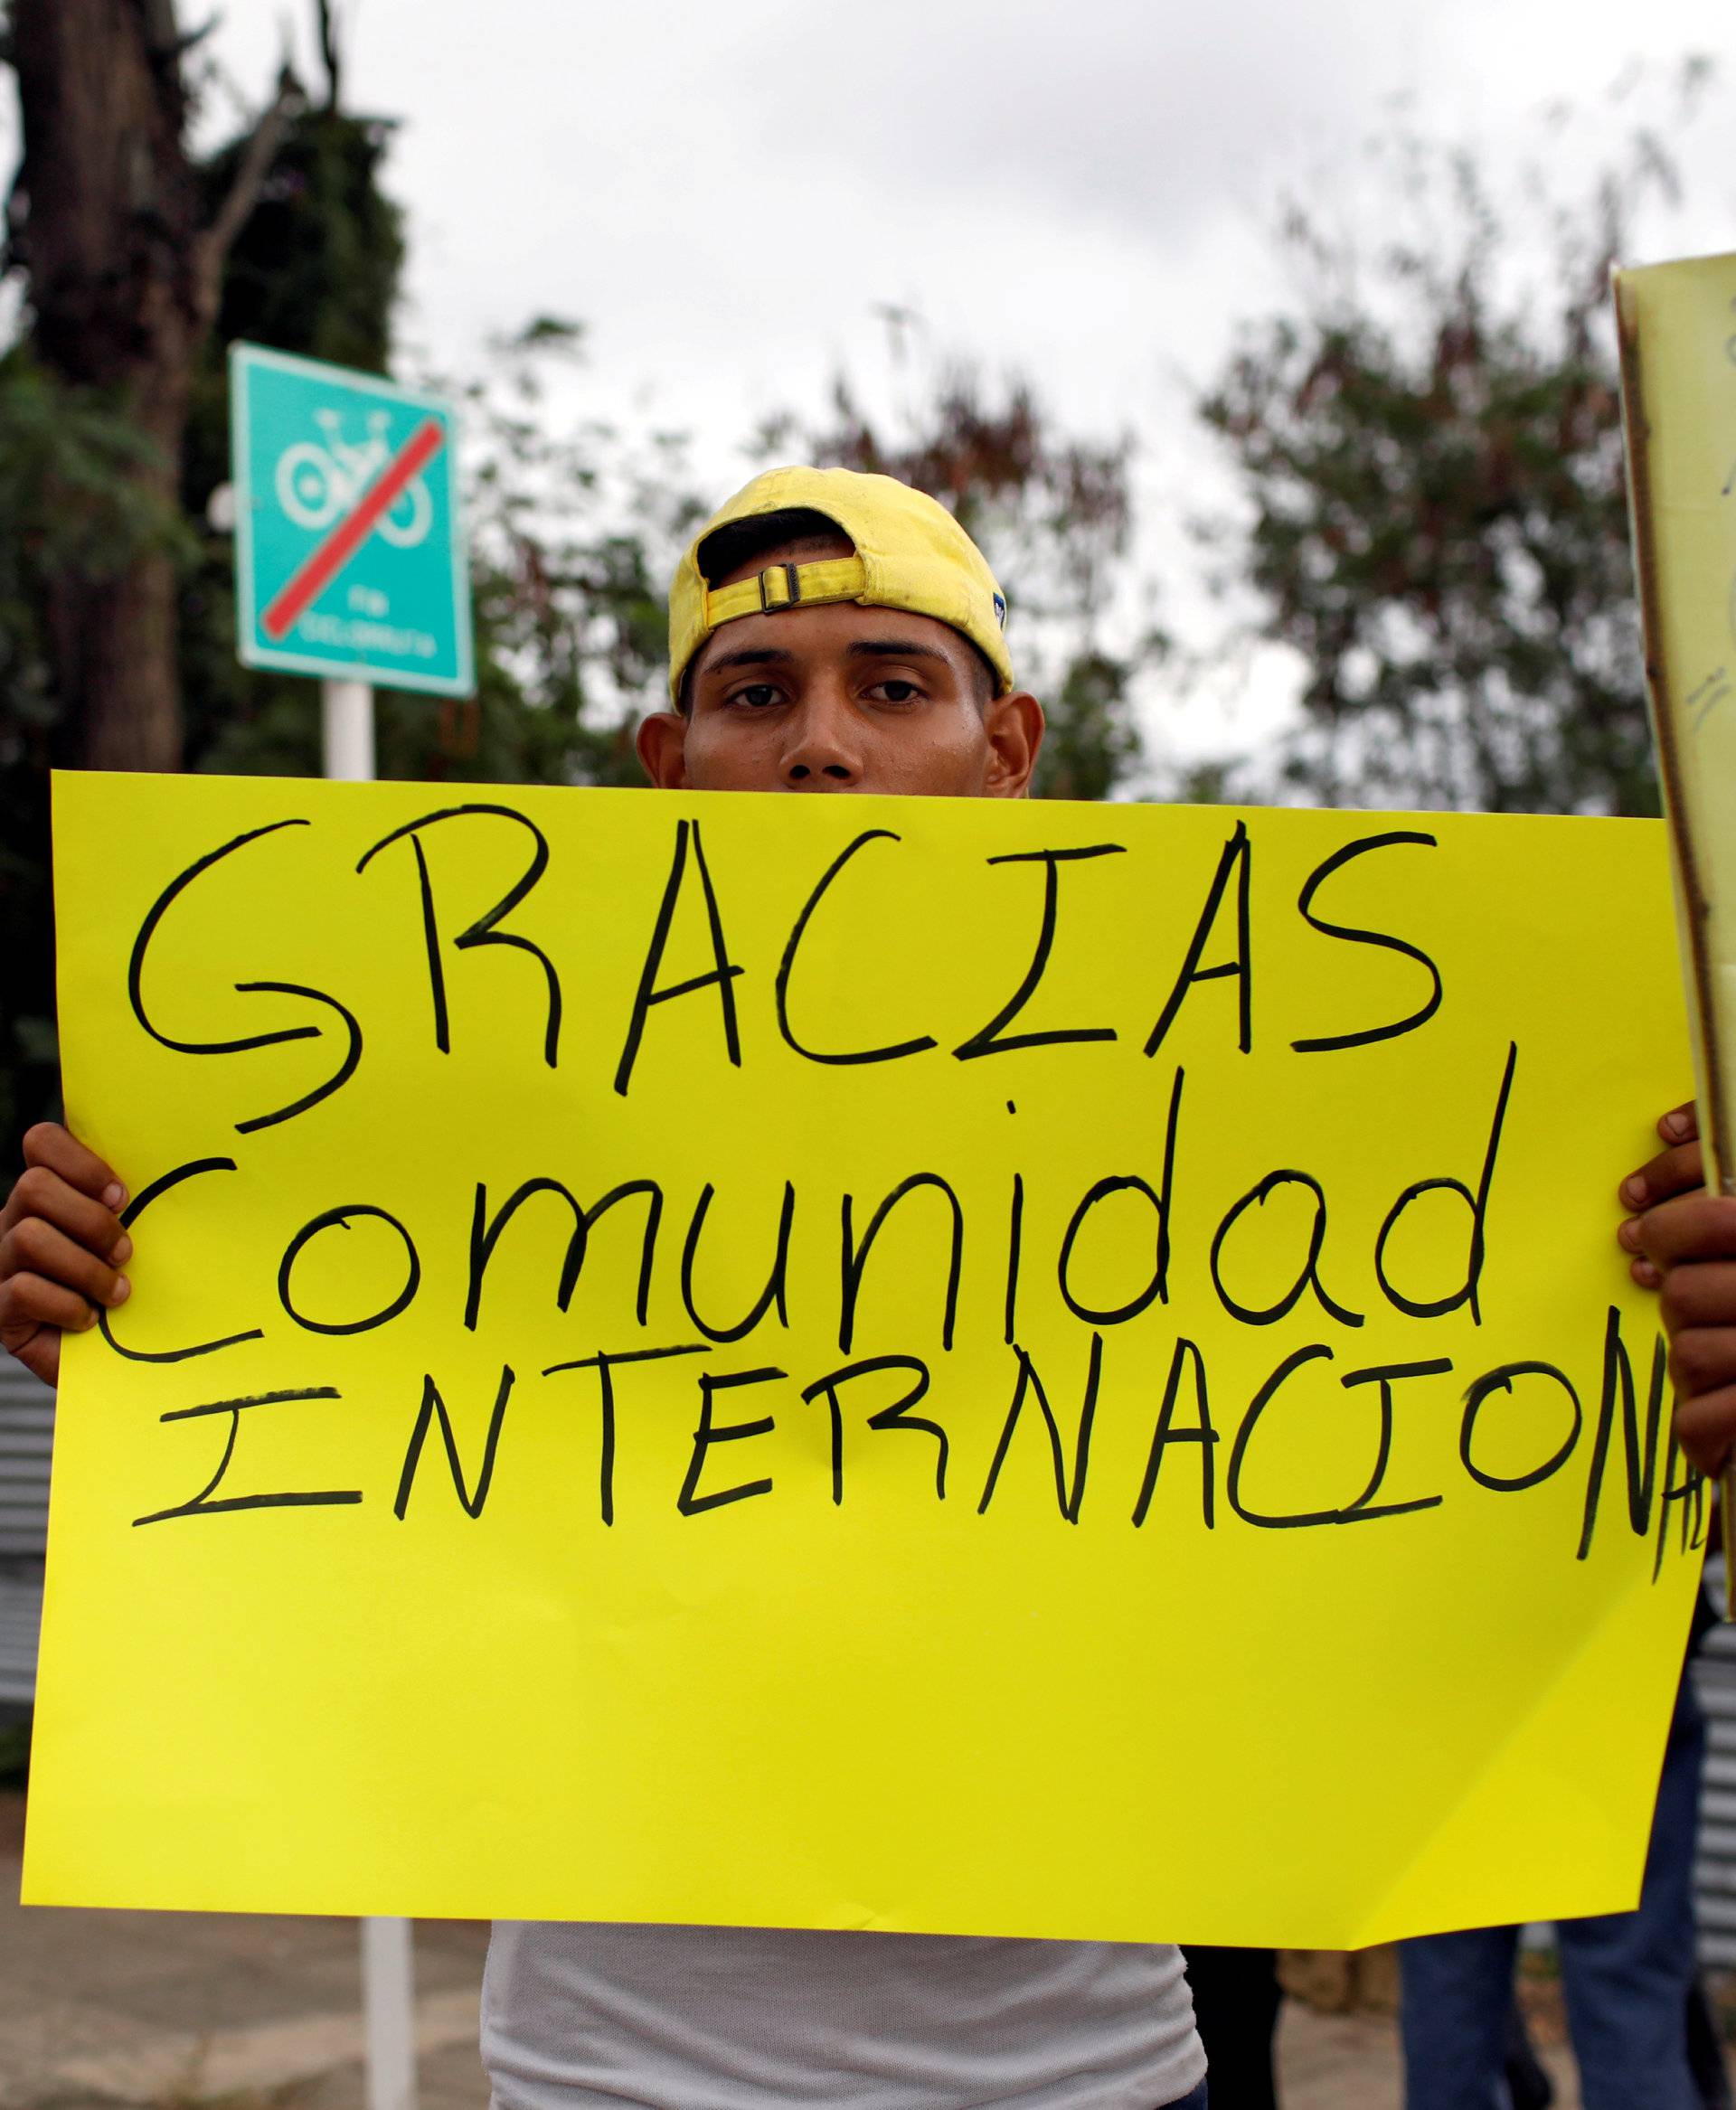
[[350, 556]]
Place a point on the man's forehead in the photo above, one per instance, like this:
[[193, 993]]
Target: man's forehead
[[833, 629]]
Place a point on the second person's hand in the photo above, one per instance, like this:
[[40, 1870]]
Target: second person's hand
[[62, 1247]]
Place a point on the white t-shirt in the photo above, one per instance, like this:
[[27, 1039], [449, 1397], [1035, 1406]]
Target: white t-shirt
[[695, 2018]]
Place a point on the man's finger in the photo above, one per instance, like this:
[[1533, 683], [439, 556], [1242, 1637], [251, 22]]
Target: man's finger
[[36, 1247], [1700, 1293], [1707, 1428], [1678, 1171], [1702, 1360], [38, 1348], [1681, 1124], [48, 1144], [40, 1192], [1692, 1226], [28, 1303]]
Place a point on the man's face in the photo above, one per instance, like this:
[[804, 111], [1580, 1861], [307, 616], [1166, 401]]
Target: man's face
[[841, 698]]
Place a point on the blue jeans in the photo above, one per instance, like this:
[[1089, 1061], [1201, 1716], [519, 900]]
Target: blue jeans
[[1196, 2101], [1625, 1976]]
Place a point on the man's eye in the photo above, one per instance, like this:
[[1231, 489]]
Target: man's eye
[[756, 695], [894, 692]]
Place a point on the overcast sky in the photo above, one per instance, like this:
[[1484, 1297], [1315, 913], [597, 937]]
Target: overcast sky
[[727, 192]]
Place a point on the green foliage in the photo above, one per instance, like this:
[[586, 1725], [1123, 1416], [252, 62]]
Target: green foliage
[[69, 502], [565, 580], [1052, 514], [1428, 446], [315, 272], [1092, 741], [574, 531]]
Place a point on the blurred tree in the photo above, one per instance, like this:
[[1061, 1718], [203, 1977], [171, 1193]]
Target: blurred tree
[[123, 253], [1427, 444], [1052, 514], [74, 504], [316, 270]]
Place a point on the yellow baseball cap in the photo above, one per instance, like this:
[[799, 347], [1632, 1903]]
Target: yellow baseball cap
[[911, 553]]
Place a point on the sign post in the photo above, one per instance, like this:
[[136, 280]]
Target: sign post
[[346, 730], [349, 549], [350, 565]]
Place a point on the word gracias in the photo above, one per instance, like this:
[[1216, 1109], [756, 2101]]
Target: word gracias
[[1228, 897]]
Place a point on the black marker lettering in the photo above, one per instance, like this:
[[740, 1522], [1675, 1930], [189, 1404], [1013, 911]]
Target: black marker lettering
[[1639, 1451], [897, 1416], [1501, 1381], [203, 1505], [720, 974], [1237, 858], [991, 1040], [486, 929], [1261, 1400], [1309, 1277], [1014, 1241], [129, 1216], [1479, 1205], [1351, 936], [1069, 1493], [690, 1501], [788, 965], [605, 1366], [1386, 1376], [855, 1258], [485, 1235], [434, 1407], [1363, 1509], [341, 1218], [1166, 1433], [777, 1283], [1689, 1494], [1157, 1287], [135, 993]]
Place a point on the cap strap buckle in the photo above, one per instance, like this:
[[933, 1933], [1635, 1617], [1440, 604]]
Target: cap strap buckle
[[792, 587]]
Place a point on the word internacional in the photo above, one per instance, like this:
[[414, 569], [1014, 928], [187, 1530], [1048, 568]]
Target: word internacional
[[958, 1366]]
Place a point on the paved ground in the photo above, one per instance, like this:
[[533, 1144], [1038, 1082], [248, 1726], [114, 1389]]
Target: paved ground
[[178, 2010]]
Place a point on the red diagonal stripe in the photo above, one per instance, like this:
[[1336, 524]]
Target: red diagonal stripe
[[324, 564]]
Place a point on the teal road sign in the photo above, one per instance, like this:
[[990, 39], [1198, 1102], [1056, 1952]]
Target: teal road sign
[[349, 546]]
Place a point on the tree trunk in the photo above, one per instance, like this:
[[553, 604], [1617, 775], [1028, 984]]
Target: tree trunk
[[108, 212], [108, 222]]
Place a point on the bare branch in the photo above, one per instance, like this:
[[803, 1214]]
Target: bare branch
[[257, 157], [330, 52], [162, 33]]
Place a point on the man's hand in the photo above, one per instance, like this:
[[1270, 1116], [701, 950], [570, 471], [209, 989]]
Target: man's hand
[[1684, 1241], [60, 1249]]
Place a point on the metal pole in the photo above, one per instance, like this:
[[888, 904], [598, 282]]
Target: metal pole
[[388, 1981], [389, 2014], [346, 721]]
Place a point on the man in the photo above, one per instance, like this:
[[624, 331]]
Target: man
[[1630, 1980], [829, 632], [838, 633]]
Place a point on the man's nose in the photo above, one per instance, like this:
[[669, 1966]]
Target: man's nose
[[823, 752]]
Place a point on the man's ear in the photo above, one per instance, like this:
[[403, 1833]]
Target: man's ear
[[661, 742], [1015, 725]]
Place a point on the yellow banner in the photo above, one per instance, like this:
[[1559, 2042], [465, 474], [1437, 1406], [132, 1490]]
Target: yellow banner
[[962, 1366]]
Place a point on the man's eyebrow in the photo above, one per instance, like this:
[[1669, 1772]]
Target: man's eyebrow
[[752, 656], [894, 648], [863, 648]]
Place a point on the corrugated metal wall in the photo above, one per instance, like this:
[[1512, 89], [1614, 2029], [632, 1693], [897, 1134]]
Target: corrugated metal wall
[[26, 1432], [1715, 1875]]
